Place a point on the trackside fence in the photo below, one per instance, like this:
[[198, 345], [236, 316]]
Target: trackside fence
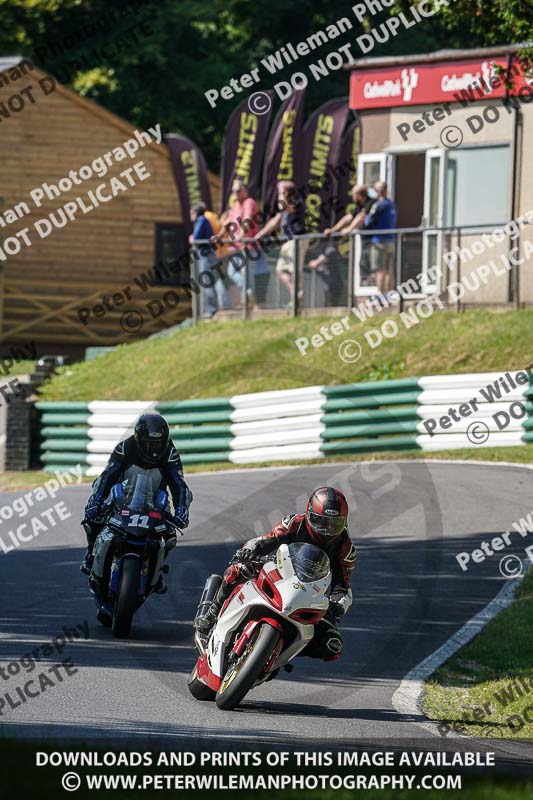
[[304, 424]]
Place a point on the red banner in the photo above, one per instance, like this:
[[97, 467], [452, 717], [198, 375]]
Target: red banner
[[244, 147], [283, 152], [444, 82], [190, 173], [321, 141]]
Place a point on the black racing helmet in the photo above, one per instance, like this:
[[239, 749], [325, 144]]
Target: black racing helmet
[[152, 436]]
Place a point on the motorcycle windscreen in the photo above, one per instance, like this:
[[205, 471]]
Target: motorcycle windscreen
[[309, 562], [140, 488]]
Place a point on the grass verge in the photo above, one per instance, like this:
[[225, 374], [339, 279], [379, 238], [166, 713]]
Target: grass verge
[[223, 359], [486, 689]]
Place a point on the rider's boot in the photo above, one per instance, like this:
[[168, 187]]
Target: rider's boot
[[206, 621], [160, 587], [87, 563], [91, 531]]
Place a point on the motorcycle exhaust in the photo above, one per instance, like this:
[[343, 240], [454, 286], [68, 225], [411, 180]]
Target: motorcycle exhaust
[[211, 587]]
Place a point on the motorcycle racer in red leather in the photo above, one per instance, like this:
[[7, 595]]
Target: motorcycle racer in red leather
[[324, 525]]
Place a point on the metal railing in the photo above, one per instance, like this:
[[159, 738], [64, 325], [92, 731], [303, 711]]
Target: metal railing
[[315, 271]]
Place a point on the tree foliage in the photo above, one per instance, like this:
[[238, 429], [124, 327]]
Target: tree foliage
[[152, 60]]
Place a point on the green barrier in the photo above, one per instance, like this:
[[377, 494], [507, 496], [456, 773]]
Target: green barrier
[[200, 431], [192, 418], [371, 445], [352, 431], [66, 445], [64, 458], [400, 385], [193, 405], [65, 433], [371, 401], [51, 418], [203, 446], [347, 417]]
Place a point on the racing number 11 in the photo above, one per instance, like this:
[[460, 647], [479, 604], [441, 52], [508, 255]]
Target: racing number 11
[[139, 520]]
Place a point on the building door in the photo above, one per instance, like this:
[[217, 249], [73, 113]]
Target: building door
[[433, 218], [410, 170]]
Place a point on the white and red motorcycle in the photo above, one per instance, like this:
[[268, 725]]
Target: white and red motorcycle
[[265, 622]]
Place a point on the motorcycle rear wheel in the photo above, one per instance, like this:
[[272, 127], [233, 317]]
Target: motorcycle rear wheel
[[242, 675], [126, 602]]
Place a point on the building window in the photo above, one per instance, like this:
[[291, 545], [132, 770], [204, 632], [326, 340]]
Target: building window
[[477, 186], [170, 246]]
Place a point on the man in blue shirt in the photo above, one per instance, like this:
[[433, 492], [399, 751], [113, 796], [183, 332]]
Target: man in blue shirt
[[212, 283], [382, 216]]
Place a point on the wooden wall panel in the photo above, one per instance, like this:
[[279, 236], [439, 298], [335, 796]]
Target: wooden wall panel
[[97, 252]]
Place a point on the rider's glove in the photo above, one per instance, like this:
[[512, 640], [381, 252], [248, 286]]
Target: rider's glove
[[93, 509], [181, 517], [245, 554], [336, 609]]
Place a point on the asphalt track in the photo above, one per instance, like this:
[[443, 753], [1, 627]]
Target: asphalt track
[[408, 520]]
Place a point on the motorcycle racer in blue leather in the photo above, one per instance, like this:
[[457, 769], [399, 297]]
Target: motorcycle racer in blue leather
[[150, 447]]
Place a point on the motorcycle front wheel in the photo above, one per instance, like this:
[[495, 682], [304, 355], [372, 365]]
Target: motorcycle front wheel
[[244, 672], [126, 602], [198, 689]]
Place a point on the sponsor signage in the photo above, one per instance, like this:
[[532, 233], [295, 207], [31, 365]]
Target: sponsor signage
[[449, 81]]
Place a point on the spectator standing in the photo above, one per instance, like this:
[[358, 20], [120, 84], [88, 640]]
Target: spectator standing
[[243, 216], [327, 268], [291, 220], [327, 263], [222, 250], [382, 216], [215, 295]]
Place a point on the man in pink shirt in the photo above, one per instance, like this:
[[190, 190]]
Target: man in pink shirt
[[240, 221], [243, 215]]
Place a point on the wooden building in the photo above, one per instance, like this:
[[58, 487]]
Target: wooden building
[[77, 285]]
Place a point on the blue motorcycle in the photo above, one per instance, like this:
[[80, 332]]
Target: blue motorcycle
[[130, 551]]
